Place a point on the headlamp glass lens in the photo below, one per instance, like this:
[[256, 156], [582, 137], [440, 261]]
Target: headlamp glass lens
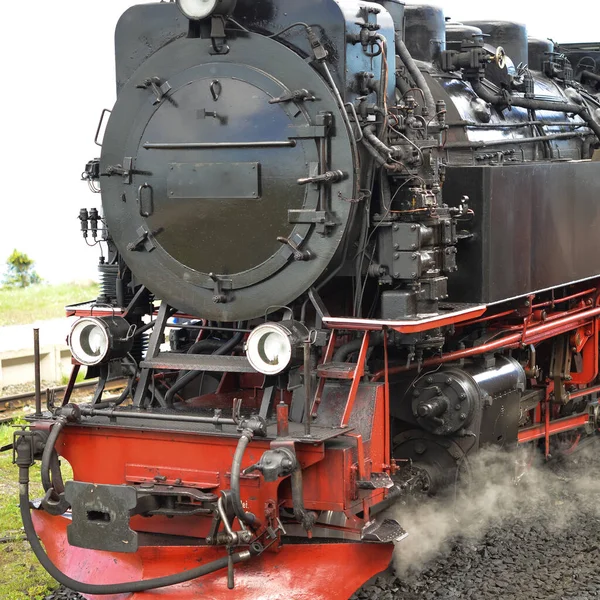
[[89, 342], [92, 340], [197, 9], [269, 349], [272, 347]]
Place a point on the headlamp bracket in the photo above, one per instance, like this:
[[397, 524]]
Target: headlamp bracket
[[217, 36]]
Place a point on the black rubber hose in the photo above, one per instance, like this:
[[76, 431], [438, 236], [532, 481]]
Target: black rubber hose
[[112, 588], [591, 76], [57, 480], [342, 353], [198, 347], [236, 466], [191, 375], [415, 73], [49, 451], [118, 401], [537, 104]]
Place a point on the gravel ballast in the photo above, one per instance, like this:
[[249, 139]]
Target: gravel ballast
[[538, 539]]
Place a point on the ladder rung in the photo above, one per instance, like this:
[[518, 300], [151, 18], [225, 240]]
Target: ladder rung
[[336, 370]]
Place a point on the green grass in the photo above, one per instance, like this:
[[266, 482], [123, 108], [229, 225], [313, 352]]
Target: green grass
[[40, 302], [21, 576], [64, 380]]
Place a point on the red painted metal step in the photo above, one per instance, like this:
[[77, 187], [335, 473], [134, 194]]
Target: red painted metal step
[[333, 370]]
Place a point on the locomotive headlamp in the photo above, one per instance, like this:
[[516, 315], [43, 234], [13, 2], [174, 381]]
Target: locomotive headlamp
[[201, 9], [94, 340], [273, 347]]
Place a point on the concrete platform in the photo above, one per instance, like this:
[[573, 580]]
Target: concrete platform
[[16, 352]]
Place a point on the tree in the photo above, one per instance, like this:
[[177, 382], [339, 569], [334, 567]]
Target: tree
[[20, 271]]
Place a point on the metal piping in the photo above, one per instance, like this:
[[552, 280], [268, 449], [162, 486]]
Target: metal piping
[[305, 517], [49, 451], [415, 73], [236, 501], [191, 375], [112, 588], [477, 145], [533, 335], [536, 104]]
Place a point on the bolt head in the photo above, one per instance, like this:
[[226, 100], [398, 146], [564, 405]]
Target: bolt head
[[420, 447]]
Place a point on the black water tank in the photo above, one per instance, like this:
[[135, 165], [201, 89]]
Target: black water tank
[[511, 36], [396, 10], [538, 53], [425, 29], [457, 32]]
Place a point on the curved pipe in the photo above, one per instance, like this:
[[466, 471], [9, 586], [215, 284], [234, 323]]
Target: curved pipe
[[415, 73], [537, 104], [191, 375], [342, 353], [533, 335], [49, 453], [197, 347], [369, 133], [57, 480], [112, 588], [118, 401], [236, 466], [379, 160], [305, 517]]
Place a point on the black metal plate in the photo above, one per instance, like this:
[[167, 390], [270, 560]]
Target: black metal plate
[[213, 180], [101, 516], [535, 227]]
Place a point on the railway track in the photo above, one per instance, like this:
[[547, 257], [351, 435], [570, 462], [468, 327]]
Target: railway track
[[11, 407]]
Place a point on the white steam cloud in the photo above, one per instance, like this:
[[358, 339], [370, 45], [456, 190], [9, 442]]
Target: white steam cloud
[[497, 487]]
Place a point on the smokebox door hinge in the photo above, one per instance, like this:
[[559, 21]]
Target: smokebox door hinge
[[144, 241]]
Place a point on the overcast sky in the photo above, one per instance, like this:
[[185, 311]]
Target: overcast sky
[[57, 76]]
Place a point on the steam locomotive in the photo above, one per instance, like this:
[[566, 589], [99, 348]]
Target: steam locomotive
[[346, 245]]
